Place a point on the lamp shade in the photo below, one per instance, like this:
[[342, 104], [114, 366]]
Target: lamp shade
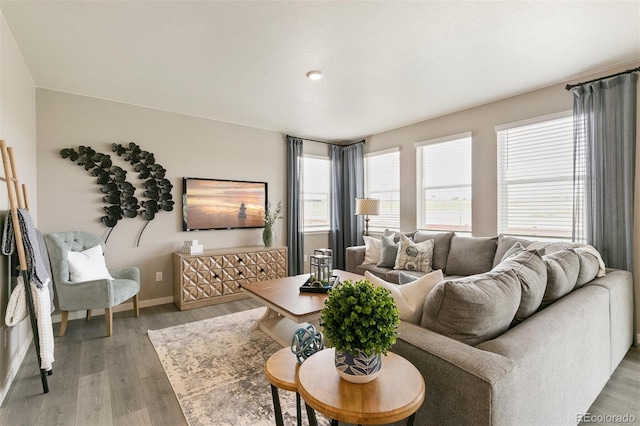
[[367, 206]]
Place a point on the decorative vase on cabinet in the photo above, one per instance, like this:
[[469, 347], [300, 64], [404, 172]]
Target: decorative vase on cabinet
[[268, 236]]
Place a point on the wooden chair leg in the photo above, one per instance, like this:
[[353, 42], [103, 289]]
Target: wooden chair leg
[[136, 310], [88, 314], [108, 315], [63, 322]]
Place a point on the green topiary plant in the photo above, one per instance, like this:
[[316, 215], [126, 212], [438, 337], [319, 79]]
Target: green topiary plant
[[358, 317]]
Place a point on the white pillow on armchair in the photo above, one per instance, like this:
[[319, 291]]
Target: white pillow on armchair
[[87, 265]]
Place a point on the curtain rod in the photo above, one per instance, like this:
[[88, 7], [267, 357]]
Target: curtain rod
[[571, 86], [326, 142]]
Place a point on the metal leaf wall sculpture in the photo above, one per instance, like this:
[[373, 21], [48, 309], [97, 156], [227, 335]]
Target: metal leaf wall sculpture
[[157, 188], [119, 194]]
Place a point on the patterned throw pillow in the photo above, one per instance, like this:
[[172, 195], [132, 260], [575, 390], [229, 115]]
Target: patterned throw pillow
[[414, 257]]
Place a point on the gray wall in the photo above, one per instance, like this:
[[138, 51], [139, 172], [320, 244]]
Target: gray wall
[[69, 198]]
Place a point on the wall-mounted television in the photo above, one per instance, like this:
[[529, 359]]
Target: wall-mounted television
[[222, 204]]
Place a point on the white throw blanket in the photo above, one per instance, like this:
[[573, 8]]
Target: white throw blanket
[[17, 311], [577, 247]]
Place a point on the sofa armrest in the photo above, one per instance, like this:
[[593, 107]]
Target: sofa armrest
[[462, 380], [354, 257]]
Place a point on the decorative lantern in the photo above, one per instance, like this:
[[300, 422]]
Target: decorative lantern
[[321, 267], [324, 251]]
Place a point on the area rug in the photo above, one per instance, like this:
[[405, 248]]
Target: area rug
[[216, 369]]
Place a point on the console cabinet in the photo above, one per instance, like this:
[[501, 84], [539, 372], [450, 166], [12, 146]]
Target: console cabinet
[[217, 275]]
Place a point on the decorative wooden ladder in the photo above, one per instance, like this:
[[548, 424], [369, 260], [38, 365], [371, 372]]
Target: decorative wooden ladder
[[18, 199]]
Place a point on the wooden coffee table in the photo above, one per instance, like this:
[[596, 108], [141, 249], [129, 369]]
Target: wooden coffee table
[[395, 394], [287, 308]]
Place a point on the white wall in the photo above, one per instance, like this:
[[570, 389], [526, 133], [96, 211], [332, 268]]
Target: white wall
[[18, 130], [69, 197]]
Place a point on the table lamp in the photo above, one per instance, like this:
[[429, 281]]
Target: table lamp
[[366, 207]]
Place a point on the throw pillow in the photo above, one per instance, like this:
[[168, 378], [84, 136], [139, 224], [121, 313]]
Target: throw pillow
[[404, 278], [388, 252], [441, 243], [532, 274], [471, 255], [414, 257], [473, 309], [409, 298], [396, 235], [515, 249], [563, 268], [372, 249], [87, 265], [504, 244]]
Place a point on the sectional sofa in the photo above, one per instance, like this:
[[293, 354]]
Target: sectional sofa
[[487, 362]]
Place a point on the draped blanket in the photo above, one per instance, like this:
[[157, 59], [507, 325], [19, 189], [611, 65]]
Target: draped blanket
[[35, 266]]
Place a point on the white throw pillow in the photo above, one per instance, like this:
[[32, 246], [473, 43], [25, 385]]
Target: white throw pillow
[[410, 297], [372, 248], [87, 265]]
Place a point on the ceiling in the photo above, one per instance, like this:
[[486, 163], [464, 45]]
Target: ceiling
[[386, 64]]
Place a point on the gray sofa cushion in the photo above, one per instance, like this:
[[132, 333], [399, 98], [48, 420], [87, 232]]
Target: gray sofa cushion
[[504, 244], [589, 267], [388, 252], [471, 255], [563, 268], [473, 309], [373, 268], [441, 243], [531, 271]]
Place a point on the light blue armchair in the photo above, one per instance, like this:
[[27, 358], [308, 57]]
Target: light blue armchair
[[88, 295]]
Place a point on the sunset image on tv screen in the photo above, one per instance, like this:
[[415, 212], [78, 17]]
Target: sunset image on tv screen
[[215, 204]]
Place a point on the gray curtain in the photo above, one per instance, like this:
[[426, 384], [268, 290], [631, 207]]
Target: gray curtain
[[347, 184], [295, 220], [605, 137]]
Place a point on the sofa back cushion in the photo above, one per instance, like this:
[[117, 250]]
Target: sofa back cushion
[[470, 255], [531, 271], [473, 309], [396, 235], [441, 243], [563, 268]]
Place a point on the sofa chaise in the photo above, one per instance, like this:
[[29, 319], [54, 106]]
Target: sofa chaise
[[543, 369]]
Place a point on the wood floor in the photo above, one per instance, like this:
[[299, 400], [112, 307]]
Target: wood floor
[[120, 381]]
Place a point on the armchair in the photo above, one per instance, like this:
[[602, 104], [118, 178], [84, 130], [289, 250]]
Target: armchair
[[93, 294]]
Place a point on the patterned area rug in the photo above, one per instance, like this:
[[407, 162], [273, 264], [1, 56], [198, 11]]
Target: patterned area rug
[[216, 369]]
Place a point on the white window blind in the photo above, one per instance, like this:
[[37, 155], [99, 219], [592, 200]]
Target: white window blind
[[535, 178], [443, 168], [315, 197], [382, 181]]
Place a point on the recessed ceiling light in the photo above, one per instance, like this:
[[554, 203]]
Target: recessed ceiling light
[[314, 75]]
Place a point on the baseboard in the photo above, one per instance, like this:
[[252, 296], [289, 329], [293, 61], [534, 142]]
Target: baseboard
[[15, 366], [119, 308]]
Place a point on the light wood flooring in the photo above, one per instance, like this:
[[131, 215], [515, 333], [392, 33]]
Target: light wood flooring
[[120, 381]]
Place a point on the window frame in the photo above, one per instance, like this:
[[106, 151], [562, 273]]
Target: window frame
[[421, 215], [504, 225], [320, 228], [377, 225]]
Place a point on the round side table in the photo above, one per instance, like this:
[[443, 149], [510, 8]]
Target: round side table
[[281, 371], [396, 394]]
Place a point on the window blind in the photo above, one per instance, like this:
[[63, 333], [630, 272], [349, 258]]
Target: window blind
[[315, 197], [443, 170], [382, 181], [535, 178]]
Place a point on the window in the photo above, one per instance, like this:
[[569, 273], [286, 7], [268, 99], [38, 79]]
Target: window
[[382, 181], [443, 171], [315, 183], [535, 178]]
